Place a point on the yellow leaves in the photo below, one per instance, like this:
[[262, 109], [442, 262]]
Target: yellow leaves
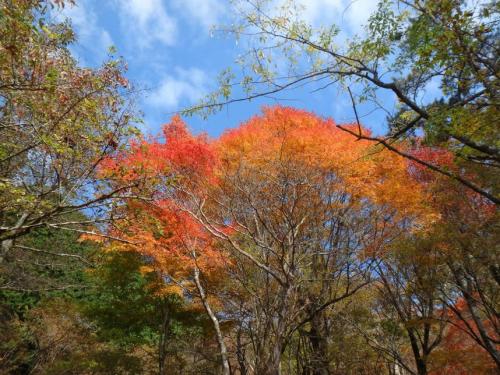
[[146, 269], [91, 237], [214, 302], [170, 289]]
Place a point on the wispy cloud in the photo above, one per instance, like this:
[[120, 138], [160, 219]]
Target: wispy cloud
[[93, 39], [184, 88], [205, 13], [147, 22], [349, 15], [358, 12]]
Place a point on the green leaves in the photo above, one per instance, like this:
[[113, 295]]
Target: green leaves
[[58, 121]]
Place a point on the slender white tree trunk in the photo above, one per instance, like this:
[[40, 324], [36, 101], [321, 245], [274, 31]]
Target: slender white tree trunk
[[213, 318], [6, 245]]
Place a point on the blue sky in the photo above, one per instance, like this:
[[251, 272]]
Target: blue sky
[[173, 55]]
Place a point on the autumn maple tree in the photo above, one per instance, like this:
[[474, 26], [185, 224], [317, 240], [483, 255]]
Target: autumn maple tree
[[466, 229], [296, 221], [440, 282], [459, 353], [180, 249]]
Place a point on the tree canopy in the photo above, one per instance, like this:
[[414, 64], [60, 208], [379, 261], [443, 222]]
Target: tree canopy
[[288, 244]]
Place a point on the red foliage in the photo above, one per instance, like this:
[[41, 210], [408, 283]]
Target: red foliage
[[447, 196], [180, 154], [459, 354], [432, 155], [161, 229], [187, 154]]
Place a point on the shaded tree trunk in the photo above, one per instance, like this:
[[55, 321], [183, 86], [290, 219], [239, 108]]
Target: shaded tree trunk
[[319, 363], [420, 361], [162, 345], [240, 353], [488, 344], [272, 364]]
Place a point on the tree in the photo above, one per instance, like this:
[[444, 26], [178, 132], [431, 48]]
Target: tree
[[459, 352], [131, 308], [410, 45], [48, 265], [305, 219], [181, 249], [290, 223], [411, 276], [58, 122], [47, 259], [120, 317], [465, 237]]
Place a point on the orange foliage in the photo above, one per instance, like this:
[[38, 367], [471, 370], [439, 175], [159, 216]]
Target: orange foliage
[[293, 135], [288, 135], [186, 167], [281, 135]]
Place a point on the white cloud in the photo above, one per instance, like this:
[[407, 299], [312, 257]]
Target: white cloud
[[147, 21], [319, 11], [206, 13], [91, 36], [350, 14], [187, 85], [358, 13]]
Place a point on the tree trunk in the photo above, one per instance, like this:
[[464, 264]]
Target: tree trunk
[[240, 354], [488, 345], [162, 350], [272, 364], [319, 357], [6, 245], [420, 362], [215, 322], [467, 289]]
